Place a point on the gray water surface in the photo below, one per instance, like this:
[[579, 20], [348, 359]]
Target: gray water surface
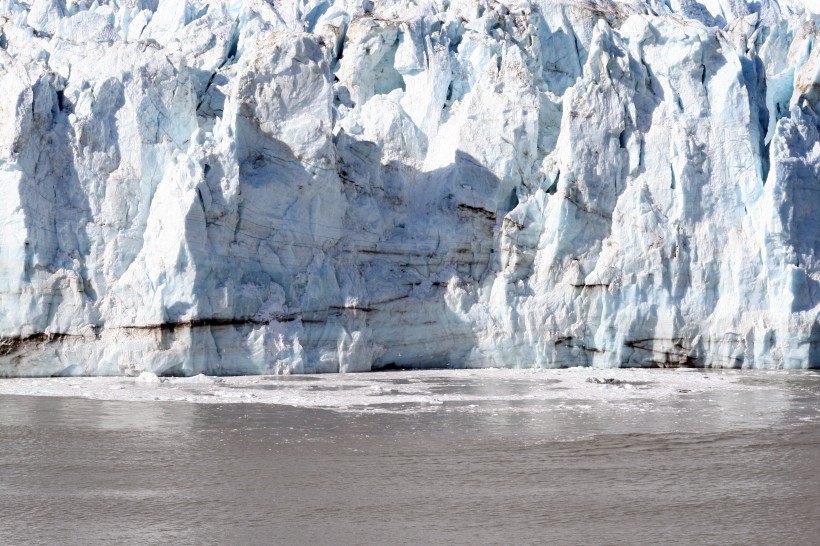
[[738, 469]]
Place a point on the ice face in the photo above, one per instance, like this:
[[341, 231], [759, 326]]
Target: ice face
[[240, 186]]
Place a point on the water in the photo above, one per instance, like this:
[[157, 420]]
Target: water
[[729, 466]]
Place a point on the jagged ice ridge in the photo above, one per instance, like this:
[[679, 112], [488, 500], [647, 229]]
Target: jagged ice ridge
[[265, 186]]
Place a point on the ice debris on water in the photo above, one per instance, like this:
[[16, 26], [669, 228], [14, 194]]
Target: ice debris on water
[[245, 186], [605, 380], [148, 377]]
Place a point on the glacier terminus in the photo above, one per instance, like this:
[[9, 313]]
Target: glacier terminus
[[300, 186]]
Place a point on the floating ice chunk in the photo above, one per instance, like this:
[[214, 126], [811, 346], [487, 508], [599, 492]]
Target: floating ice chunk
[[147, 377]]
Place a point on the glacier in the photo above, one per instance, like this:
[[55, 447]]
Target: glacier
[[264, 186]]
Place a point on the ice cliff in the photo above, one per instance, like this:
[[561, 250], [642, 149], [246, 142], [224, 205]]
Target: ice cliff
[[255, 186]]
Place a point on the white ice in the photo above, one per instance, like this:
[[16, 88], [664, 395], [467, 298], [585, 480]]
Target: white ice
[[240, 186], [628, 390]]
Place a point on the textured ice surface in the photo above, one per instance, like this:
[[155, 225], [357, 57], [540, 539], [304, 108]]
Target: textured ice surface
[[576, 390], [246, 186]]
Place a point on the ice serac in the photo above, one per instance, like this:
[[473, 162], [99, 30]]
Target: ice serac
[[247, 186]]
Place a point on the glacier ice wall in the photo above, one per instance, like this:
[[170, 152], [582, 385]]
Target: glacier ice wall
[[256, 186]]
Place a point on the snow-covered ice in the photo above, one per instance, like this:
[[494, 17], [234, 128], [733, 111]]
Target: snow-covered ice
[[255, 187]]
